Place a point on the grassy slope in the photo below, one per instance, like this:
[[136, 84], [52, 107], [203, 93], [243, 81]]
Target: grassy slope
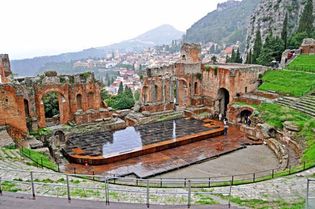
[[288, 82], [303, 63], [275, 115]]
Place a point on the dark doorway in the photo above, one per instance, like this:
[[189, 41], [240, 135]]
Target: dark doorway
[[224, 99]]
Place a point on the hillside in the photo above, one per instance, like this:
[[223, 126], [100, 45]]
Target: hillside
[[270, 15], [227, 24], [163, 34]]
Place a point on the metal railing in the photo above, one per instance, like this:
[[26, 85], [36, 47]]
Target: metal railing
[[37, 183], [310, 197]]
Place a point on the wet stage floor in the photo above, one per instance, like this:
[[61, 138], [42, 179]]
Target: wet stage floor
[[108, 147], [170, 159]]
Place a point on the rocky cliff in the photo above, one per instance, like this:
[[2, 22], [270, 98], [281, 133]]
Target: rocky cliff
[[269, 16]]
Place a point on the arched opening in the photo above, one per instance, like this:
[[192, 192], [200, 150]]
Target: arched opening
[[51, 105], [196, 88], [155, 93], [224, 99], [175, 90], [27, 115], [145, 94], [79, 102], [244, 115], [90, 100], [59, 138]]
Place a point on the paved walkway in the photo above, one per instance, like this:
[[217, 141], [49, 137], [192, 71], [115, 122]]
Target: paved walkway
[[18, 201]]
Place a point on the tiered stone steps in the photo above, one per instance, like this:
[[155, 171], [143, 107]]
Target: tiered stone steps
[[304, 104]]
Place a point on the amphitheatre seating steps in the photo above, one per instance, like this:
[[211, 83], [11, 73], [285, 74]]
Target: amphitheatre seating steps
[[304, 104]]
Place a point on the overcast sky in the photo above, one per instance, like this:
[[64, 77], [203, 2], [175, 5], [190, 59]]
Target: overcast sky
[[44, 27]]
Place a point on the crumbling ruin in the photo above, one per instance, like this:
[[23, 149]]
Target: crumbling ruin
[[190, 83], [22, 107]]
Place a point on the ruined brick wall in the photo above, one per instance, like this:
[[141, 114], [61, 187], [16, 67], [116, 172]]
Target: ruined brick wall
[[236, 81], [308, 46], [5, 69], [22, 105], [190, 83], [190, 53], [12, 108]]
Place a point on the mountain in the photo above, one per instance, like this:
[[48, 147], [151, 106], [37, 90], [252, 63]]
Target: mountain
[[225, 25], [269, 17], [163, 34]]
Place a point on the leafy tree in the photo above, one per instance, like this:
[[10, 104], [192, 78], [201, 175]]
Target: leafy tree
[[104, 94], [214, 59], [271, 50], [238, 58], [137, 95], [284, 33], [51, 104], [307, 19], [257, 47], [120, 88], [233, 56], [128, 91], [249, 57], [296, 40]]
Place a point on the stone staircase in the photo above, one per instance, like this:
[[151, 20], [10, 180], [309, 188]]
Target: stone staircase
[[304, 104]]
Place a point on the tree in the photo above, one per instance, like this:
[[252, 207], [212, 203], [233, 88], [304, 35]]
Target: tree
[[137, 95], [121, 88], [249, 57], [104, 94], [271, 50], [128, 91], [307, 19], [51, 104], [284, 33], [257, 47], [296, 40], [233, 56], [238, 58], [214, 59]]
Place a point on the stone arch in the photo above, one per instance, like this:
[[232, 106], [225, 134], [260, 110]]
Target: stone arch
[[223, 98], [244, 113], [63, 103], [183, 93], [52, 117], [79, 101], [59, 138]]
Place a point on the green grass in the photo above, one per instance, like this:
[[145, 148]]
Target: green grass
[[304, 63], [287, 82], [203, 199], [39, 158], [263, 204], [275, 115], [9, 186]]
